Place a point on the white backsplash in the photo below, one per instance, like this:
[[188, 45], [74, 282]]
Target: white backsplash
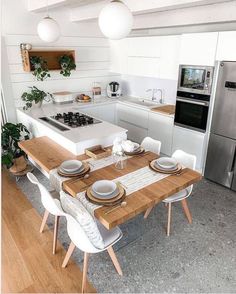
[[136, 86]]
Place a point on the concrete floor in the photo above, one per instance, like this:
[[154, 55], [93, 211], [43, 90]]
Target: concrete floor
[[196, 258]]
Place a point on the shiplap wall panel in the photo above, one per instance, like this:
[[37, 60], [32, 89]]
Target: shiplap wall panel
[[92, 65]]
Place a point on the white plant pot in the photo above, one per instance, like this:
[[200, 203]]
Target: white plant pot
[[37, 105]]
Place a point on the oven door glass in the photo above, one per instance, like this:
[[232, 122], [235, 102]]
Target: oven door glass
[[191, 115], [193, 78]]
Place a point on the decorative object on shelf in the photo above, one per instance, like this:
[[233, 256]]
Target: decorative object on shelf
[[67, 65], [96, 90], [39, 65], [83, 98], [118, 153], [25, 46], [35, 97], [115, 20], [12, 156], [48, 29], [63, 97]]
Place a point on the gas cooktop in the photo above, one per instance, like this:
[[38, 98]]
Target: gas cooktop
[[71, 120]]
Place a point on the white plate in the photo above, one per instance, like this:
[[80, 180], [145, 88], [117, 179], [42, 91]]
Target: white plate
[[82, 168], [104, 187], [164, 169], [166, 162], [71, 165], [128, 147], [112, 195]]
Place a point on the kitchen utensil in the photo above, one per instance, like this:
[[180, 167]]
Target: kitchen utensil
[[104, 187], [122, 204], [71, 165]]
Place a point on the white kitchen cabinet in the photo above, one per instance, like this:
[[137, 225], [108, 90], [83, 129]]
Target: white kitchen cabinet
[[143, 66], [226, 49], [133, 119], [135, 133], [108, 113], [198, 48], [189, 141], [160, 127]]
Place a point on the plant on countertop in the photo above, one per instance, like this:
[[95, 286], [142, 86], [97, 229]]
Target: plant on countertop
[[67, 65], [35, 96], [40, 68], [11, 135]]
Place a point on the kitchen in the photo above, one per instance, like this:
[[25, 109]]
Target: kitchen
[[164, 81]]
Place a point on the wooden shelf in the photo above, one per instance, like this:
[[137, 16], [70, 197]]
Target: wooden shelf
[[51, 57]]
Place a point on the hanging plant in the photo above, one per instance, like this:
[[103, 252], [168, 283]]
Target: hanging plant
[[67, 65], [35, 96], [40, 68]]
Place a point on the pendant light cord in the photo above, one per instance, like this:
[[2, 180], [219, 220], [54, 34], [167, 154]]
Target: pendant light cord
[[47, 9]]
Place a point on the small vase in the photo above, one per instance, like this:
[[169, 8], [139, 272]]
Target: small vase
[[37, 105], [120, 161], [19, 165]]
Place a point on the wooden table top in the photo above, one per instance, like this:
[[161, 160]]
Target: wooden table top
[[48, 155]]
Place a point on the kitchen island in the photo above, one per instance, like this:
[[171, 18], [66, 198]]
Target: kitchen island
[[76, 137]]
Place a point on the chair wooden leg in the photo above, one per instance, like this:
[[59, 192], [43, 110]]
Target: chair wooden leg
[[55, 234], [114, 260], [169, 219], [45, 217], [68, 254], [148, 212], [186, 210], [85, 269]]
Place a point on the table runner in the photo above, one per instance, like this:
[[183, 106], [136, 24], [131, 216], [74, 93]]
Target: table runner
[[56, 180], [132, 182]]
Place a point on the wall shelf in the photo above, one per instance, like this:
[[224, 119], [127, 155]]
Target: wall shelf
[[51, 57]]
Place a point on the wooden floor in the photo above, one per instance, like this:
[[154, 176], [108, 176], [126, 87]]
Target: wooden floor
[[28, 264]]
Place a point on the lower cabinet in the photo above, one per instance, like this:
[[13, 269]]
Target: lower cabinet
[[189, 141], [135, 133], [103, 112], [160, 127]]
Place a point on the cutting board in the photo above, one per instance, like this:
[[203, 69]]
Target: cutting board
[[166, 109]]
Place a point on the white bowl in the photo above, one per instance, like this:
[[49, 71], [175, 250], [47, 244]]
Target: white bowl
[[167, 162], [71, 165], [104, 187]]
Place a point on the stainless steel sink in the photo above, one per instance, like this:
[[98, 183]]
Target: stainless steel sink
[[143, 102]]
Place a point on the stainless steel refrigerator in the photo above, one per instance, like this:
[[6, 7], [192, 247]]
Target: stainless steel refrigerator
[[221, 154]]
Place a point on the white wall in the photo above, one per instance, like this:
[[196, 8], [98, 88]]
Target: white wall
[[92, 52]]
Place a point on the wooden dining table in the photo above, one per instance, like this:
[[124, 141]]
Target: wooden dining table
[[49, 155]]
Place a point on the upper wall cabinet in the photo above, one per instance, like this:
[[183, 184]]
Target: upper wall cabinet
[[226, 49], [198, 49]]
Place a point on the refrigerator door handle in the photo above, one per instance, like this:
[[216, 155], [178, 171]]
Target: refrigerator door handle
[[233, 160]]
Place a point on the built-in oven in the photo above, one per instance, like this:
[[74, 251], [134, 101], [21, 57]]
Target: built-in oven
[[195, 79], [192, 110]]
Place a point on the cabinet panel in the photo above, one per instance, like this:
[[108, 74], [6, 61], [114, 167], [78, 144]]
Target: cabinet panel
[[108, 113], [189, 141], [135, 133], [161, 128], [226, 49], [132, 115], [198, 49]]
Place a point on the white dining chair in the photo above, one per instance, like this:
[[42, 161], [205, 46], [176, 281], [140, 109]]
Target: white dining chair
[[187, 160], [152, 145], [80, 237], [51, 203]]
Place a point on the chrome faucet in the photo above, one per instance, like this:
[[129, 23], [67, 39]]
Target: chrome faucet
[[153, 95]]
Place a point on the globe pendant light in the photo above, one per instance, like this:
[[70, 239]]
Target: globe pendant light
[[48, 29], [115, 20]]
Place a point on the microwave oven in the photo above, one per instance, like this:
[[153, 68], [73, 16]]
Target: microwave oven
[[195, 79]]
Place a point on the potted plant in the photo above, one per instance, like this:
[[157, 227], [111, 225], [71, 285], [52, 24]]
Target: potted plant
[[40, 69], [67, 65], [12, 156], [35, 97]]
